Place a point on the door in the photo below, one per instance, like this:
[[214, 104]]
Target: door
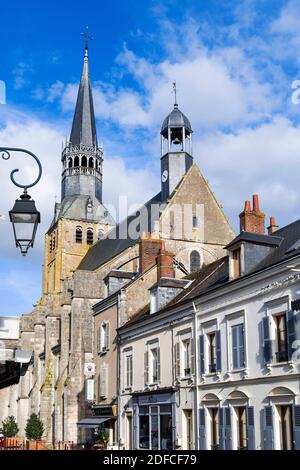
[[286, 427], [189, 429], [129, 432]]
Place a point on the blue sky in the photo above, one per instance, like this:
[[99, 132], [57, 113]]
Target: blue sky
[[234, 63]]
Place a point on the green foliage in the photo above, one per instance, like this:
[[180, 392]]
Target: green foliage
[[104, 436], [34, 428], [9, 427]]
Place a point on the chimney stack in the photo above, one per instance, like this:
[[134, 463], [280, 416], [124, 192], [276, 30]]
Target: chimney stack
[[272, 227], [165, 264], [149, 248], [252, 220]]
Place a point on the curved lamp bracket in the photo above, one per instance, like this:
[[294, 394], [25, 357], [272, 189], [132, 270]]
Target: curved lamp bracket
[[6, 156]]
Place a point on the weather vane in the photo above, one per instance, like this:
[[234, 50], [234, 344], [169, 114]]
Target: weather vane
[[175, 92], [87, 37]]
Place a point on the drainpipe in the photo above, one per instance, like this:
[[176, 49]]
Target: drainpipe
[[196, 404]]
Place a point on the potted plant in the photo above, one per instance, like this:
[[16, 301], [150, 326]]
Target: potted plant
[[104, 436], [9, 429], [34, 431]]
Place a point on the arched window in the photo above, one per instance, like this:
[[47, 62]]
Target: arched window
[[84, 161], [78, 235], [194, 261], [89, 236], [70, 163], [76, 161], [91, 162]]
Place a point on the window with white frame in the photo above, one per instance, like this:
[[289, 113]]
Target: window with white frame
[[103, 383], [186, 346], [210, 348], [103, 337], [184, 355], [128, 360], [152, 363], [278, 331]]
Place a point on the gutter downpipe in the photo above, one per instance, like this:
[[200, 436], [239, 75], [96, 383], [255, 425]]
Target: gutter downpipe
[[196, 404]]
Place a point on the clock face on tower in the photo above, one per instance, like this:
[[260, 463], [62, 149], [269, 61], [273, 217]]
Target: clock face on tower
[[164, 176]]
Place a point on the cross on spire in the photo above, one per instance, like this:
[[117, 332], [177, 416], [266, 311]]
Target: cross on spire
[[175, 93], [87, 37]]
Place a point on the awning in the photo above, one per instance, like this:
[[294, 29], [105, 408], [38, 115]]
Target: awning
[[91, 422]]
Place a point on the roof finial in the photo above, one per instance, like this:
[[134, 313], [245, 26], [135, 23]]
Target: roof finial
[[175, 94], [87, 38]]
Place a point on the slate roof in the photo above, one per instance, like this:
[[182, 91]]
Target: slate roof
[[216, 274], [176, 118], [84, 127], [290, 235], [76, 208], [117, 239], [273, 240]]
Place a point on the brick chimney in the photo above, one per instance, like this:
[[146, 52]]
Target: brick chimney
[[272, 227], [252, 220], [149, 248], [165, 262]]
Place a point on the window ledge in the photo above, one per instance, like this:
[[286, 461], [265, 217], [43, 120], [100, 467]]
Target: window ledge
[[236, 371], [280, 364]]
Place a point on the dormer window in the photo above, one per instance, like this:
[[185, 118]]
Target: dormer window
[[236, 263]]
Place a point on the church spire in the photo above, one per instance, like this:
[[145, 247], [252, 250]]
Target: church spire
[[84, 127]]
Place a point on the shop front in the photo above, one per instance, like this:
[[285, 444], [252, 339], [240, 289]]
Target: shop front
[[154, 420]]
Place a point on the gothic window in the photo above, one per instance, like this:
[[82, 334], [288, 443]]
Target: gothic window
[[76, 161], [96, 164], [70, 163], [90, 236], [84, 161], [91, 162], [78, 236], [194, 261]]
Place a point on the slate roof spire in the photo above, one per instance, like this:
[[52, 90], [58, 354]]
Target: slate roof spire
[[84, 127]]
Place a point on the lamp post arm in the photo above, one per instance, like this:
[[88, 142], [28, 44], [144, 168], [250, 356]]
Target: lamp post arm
[[6, 156]]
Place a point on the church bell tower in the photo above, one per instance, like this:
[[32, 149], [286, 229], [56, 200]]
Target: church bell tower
[[176, 149]]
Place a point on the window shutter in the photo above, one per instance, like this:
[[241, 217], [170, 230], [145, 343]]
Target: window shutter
[[291, 331], [218, 351], [250, 428], [202, 433], [146, 368], [98, 340], [177, 360], [234, 335], [221, 429], [105, 381], [201, 353], [296, 413], [267, 344], [135, 427], [100, 337], [268, 428], [99, 387], [241, 333], [227, 428], [107, 335], [158, 364], [131, 371], [192, 365]]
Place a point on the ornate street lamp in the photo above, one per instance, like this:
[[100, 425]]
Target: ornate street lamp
[[24, 215]]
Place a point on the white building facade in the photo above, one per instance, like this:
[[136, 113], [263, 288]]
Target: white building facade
[[218, 367]]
